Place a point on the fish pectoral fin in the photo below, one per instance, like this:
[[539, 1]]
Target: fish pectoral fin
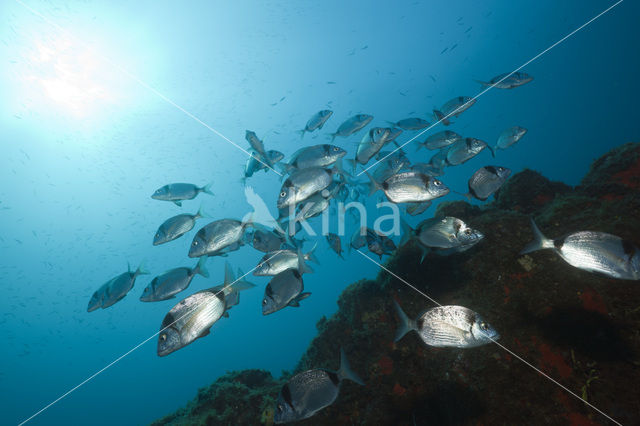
[[295, 303], [226, 314], [206, 331], [178, 203]]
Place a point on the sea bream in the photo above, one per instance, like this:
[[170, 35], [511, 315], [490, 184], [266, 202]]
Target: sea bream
[[447, 327], [303, 183], [316, 121], [352, 125], [175, 227], [172, 282], [284, 289], [390, 164], [178, 192], [440, 140], [379, 243], [442, 236], [322, 155], [464, 150], [508, 137], [415, 209], [194, 316], [486, 180], [266, 240], [409, 187], [370, 144], [255, 162], [453, 108], [413, 123], [218, 237], [278, 261], [258, 146], [114, 290], [310, 391], [593, 252], [508, 80], [335, 243]]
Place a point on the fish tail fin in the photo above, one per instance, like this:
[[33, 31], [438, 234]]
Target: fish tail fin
[[207, 189], [493, 150], [200, 267], [333, 136], [345, 371], [482, 83], [373, 185], [391, 123], [353, 165], [200, 214], [242, 284], [407, 232], [178, 203], [406, 324], [339, 169], [301, 132], [539, 241], [141, 269], [302, 265], [311, 256]]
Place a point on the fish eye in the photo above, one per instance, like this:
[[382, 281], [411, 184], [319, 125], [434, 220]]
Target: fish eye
[[501, 169], [195, 243], [467, 231], [436, 182], [280, 408], [163, 337], [283, 194], [264, 302], [484, 326], [335, 148]]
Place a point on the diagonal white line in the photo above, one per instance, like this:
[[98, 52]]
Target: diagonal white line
[[142, 83], [494, 341], [473, 99], [88, 379]]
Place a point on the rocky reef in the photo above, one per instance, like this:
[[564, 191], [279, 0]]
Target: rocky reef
[[581, 329]]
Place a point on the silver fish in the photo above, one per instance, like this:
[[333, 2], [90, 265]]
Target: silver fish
[[447, 327], [453, 108], [303, 183], [314, 156], [593, 252], [379, 243], [254, 164], [409, 187], [175, 227], [194, 316], [172, 282], [508, 137], [178, 192], [285, 289], [370, 144], [390, 165], [316, 121], [114, 290], [508, 81], [443, 236], [218, 235], [279, 261], [352, 125], [257, 145], [464, 150], [308, 392], [487, 180], [413, 123], [440, 140], [335, 243], [266, 240], [358, 239]]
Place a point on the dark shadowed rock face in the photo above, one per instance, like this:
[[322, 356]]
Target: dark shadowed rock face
[[577, 327]]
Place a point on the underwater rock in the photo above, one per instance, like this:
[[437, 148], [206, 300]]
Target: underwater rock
[[579, 328]]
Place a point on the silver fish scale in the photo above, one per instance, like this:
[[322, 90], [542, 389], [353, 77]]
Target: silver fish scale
[[595, 252], [483, 183], [178, 225], [408, 187], [277, 261], [172, 282], [285, 288], [442, 139], [221, 233], [311, 391], [118, 288], [195, 314], [447, 326]]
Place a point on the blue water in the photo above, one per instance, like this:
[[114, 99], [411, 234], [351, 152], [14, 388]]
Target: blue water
[[84, 145]]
